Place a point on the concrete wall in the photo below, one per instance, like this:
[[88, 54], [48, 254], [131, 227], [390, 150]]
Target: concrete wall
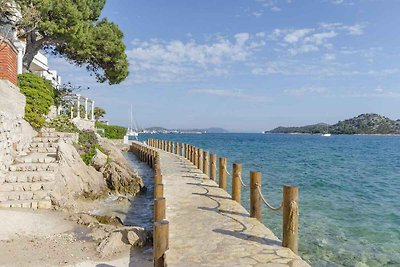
[[15, 133], [8, 61]]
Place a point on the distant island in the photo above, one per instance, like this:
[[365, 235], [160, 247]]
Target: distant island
[[154, 130], [368, 123]]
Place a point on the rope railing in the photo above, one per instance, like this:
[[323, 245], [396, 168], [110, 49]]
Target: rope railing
[[265, 201], [289, 204]]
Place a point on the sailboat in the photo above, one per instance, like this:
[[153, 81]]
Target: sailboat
[[327, 134], [132, 134]]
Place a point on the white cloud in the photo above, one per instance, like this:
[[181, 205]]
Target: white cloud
[[306, 91], [158, 60], [356, 29], [329, 57], [230, 93], [296, 35]]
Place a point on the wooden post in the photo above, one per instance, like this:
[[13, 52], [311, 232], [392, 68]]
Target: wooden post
[[158, 191], [236, 184], [290, 210], [206, 164], [160, 242], [183, 150], [196, 159], [200, 160], [177, 148], [213, 166], [222, 173], [255, 197], [159, 209], [157, 177]]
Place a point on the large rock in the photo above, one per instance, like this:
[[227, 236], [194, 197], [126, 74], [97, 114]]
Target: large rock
[[75, 178], [118, 173], [113, 244], [99, 160]]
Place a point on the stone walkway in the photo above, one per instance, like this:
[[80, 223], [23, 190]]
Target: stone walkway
[[207, 228]]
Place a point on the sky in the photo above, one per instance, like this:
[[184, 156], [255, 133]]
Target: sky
[[250, 65]]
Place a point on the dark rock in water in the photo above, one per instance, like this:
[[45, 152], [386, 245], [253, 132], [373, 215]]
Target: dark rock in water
[[143, 190], [122, 180]]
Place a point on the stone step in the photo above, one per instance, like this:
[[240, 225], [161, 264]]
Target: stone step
[[33, 167], [29, 176], [47, 130], [37, 157], [24, 195], [58, 135], [43, 149], [43, 145], [39, 139], [20, 187], [28, 204]]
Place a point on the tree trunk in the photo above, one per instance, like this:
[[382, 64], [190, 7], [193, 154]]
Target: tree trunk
[[33, 46]]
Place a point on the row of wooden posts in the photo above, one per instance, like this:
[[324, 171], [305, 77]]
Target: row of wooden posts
[[207, 163], [161, 225]]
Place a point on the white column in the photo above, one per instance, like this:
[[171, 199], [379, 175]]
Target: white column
[[86, 110], [21, 51], [92, 110], [59, 110], [78, 112], [72, 112]]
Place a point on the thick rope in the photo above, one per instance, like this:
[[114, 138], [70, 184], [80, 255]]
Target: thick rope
[[227, 171], [265, 201], [241, 181]]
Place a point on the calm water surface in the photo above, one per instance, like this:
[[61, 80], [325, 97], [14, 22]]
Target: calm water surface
[[349, 190]]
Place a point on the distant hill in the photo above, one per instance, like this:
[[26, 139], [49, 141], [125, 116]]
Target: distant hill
[[368, 123], [165, 130]]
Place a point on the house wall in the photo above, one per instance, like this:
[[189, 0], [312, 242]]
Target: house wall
[[8, 62]]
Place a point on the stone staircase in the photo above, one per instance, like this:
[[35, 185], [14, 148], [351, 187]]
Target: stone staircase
[[30, 179]]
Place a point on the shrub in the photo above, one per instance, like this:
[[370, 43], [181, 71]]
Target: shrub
[[63, 124], [39, 98], [87, 146], [112, 131]]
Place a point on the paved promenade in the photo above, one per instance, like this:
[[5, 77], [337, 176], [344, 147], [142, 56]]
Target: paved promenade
[[207, 228]]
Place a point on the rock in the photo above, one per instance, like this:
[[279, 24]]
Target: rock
[[99, 233], [99, 160], [84, 219], [111, 245], [75, 178], [112, 220], [137, 236]]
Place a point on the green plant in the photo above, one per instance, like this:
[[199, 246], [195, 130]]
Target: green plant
[[112, 131], [87, 146], [62, 124], [39, 98]]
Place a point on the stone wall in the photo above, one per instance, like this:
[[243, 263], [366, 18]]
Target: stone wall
[[83, 124], [15, 133], [8, 61]]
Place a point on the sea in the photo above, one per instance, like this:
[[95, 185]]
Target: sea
[[349, 189]]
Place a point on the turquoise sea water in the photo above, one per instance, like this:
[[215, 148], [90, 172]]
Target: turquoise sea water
[[349, 190]]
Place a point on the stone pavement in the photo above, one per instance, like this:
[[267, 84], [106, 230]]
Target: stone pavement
[[207, 228]]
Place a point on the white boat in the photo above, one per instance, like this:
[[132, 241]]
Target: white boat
[[326, 134], [132, 133]]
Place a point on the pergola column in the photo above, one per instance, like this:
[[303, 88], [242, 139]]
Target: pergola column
[[92, 110], [78, 113], [72, 112], [86, 110]]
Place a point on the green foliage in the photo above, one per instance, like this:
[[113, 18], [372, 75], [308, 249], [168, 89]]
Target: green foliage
[[63, 124], [87, 146], [73, 29], [39, 98], [99, 113], [112, 131]]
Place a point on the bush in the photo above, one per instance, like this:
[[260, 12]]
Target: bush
[[39, 98], [63, 124], [112, 131], [87, 146]]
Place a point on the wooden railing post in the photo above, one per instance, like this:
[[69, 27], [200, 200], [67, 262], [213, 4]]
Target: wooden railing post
[[200, 160], [255, 197], [158, 191], [206, 164], [290, 210], [213, 166], [236, 184], [222, 173], [160, 242], [159, 209], [183, 150], [196, 159]]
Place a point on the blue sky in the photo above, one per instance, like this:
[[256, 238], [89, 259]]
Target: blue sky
[[251, 65]]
